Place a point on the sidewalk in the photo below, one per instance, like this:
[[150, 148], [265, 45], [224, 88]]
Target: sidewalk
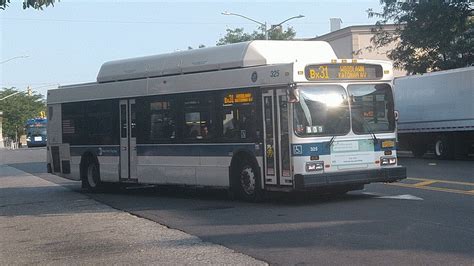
[[45, 223]]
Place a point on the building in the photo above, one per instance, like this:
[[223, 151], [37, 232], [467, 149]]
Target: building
[[354, 42]]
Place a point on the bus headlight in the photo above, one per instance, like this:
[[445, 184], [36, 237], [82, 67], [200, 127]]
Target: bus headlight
[[388, 160], [28, 139], [314, 166]]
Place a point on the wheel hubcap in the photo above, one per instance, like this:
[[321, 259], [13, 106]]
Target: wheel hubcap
[[247, 180], [439, 148], [90, 176]]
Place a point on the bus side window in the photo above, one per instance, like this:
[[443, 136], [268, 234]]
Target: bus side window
[[193, 127], [162, 119], [238, 116], [229, 124], [198, 118]]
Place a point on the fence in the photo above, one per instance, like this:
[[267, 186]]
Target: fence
[[9, 143]]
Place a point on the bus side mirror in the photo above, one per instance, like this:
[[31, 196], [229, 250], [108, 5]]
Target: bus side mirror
[[293, 95], [396, 115]]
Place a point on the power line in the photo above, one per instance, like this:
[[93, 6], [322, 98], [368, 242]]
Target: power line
[[41, 85], [163, 22], [115, 21]]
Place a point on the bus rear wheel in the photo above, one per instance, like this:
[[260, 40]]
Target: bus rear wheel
[[91, 177], [249, 182], [444, 148]]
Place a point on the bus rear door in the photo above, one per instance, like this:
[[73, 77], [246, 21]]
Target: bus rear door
[[128, 140]]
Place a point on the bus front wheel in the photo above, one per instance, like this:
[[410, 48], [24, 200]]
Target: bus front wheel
[[249, 182]]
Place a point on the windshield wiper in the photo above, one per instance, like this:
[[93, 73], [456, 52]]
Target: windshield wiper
[[369, 129], [331, 141]]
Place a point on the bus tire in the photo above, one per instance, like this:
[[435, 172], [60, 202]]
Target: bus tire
[[443, 148], [91, 177], [248, 181]]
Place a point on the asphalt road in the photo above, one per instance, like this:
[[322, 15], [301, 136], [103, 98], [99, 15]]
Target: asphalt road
[[426, 219]]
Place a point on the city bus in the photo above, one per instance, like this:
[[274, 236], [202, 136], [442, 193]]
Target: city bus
[[35, 129], [248, 117]]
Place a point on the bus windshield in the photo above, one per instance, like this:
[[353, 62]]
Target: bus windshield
[[36, 131], [372, 108], [321, 110]]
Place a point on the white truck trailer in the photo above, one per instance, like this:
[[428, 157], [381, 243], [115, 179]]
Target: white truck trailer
[[436, 112]]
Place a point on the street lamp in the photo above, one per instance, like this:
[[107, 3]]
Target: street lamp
[[262, 24], [279, 24]]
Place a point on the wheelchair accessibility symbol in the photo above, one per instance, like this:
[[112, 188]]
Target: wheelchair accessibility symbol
[[297, 149]]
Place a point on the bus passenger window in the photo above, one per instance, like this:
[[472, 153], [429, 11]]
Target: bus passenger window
[[238, 118], [229, 124], [162, 120], [198, 118], [193, 124]]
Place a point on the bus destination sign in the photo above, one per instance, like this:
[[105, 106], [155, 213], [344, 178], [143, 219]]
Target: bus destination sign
[[238, 98], [343, 72]]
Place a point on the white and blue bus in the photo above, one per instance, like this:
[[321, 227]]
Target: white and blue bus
[[249, 117]]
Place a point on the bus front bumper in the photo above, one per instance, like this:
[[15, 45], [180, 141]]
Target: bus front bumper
[[36, 143], [350, 178]]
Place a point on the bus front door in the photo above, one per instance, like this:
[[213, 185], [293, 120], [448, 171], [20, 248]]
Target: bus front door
[[277, 169], [128, 141]]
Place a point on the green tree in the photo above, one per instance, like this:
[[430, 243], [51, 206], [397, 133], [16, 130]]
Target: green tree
[[36, 4], [238, 35], [17, 109], [430, 35]]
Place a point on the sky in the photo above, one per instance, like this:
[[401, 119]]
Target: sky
[[67, 43]]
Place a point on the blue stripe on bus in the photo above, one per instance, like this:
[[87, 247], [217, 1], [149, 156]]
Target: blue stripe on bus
[[168, 150], [193, 150], [322, 148], [95, 150], [306, 149], [310, 149]]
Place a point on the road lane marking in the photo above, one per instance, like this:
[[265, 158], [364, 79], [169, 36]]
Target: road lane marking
[[441, 181], [402, 197], [382, 196], [464, 192], [424, 183]]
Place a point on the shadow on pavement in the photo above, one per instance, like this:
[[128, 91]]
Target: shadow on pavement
[[31, 168]]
